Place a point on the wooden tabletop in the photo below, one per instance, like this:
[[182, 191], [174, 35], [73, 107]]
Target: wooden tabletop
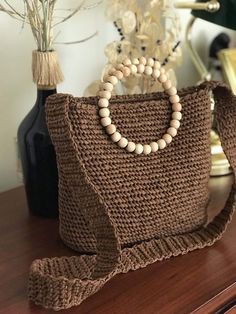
[[179, 285]]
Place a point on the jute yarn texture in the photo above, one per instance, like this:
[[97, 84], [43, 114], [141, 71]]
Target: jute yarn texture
[[122, 211], [46, 69]]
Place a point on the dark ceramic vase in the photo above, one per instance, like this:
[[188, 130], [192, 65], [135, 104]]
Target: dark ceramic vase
[[38, 160]]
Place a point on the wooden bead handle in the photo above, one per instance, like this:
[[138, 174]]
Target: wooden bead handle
[[149, 67]]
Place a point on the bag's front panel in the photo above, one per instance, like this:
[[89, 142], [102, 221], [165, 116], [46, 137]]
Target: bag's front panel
[[152, 196]]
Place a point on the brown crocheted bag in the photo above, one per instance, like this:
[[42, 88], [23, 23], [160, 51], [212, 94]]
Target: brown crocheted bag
[[131, 210]]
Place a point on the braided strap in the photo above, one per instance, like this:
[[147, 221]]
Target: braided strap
[[148, 67]]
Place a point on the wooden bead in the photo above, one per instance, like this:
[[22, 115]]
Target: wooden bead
[[110, 129], [167, 84], [157, 65], [107, 86], [167, 138], [126, 71], [104, 94], [123, 142], [111, 71], [154, 147], [141, 68], [105, 77], [150, 62], [138, 149], [136, 62], [162, 70], [103, 103], [176, 107], [104, 112], [148, 70], [112, 79], [119, 75], [116, 137], [156, 73], [174, 99], [133, 69], [175, 124], [130, 147], [176, 115], [105, 121], [119, 66], [127, 62], [172, 131], [172, 91], [143, 60], [162, 78], [161, 144], [147, 149]]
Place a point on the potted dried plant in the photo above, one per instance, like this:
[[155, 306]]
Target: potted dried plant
[[35, 146]]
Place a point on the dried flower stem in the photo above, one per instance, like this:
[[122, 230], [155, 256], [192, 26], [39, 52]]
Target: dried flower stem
[[40, 15], [76, 10], [77, 41]]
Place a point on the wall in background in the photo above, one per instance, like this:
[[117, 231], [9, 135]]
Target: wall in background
[[81, 64]]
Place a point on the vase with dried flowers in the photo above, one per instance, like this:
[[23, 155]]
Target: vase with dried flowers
[[35, 147], [146, 28]]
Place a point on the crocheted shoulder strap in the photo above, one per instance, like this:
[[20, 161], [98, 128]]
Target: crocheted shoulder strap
[[60, 283]]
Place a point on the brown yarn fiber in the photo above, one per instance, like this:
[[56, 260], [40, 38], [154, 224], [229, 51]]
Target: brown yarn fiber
[[131, 210]]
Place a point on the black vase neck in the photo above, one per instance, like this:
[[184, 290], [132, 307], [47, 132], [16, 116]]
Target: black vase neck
[[42, 95]]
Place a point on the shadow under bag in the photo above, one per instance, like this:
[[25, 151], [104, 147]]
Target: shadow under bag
[[123, 211]]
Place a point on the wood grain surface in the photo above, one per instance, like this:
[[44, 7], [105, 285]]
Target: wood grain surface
[[180, 285]]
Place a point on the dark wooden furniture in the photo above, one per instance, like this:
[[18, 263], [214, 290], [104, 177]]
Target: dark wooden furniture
[[203, 281]]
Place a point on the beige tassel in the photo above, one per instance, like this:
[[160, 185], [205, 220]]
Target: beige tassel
[[46, 69]]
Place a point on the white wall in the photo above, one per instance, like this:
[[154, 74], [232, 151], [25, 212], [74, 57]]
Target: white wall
[[81, 64]]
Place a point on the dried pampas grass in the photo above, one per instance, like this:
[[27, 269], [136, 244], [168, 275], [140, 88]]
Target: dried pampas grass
[[40, 15]]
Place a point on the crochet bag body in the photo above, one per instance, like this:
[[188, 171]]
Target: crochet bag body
[[123, 211]]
